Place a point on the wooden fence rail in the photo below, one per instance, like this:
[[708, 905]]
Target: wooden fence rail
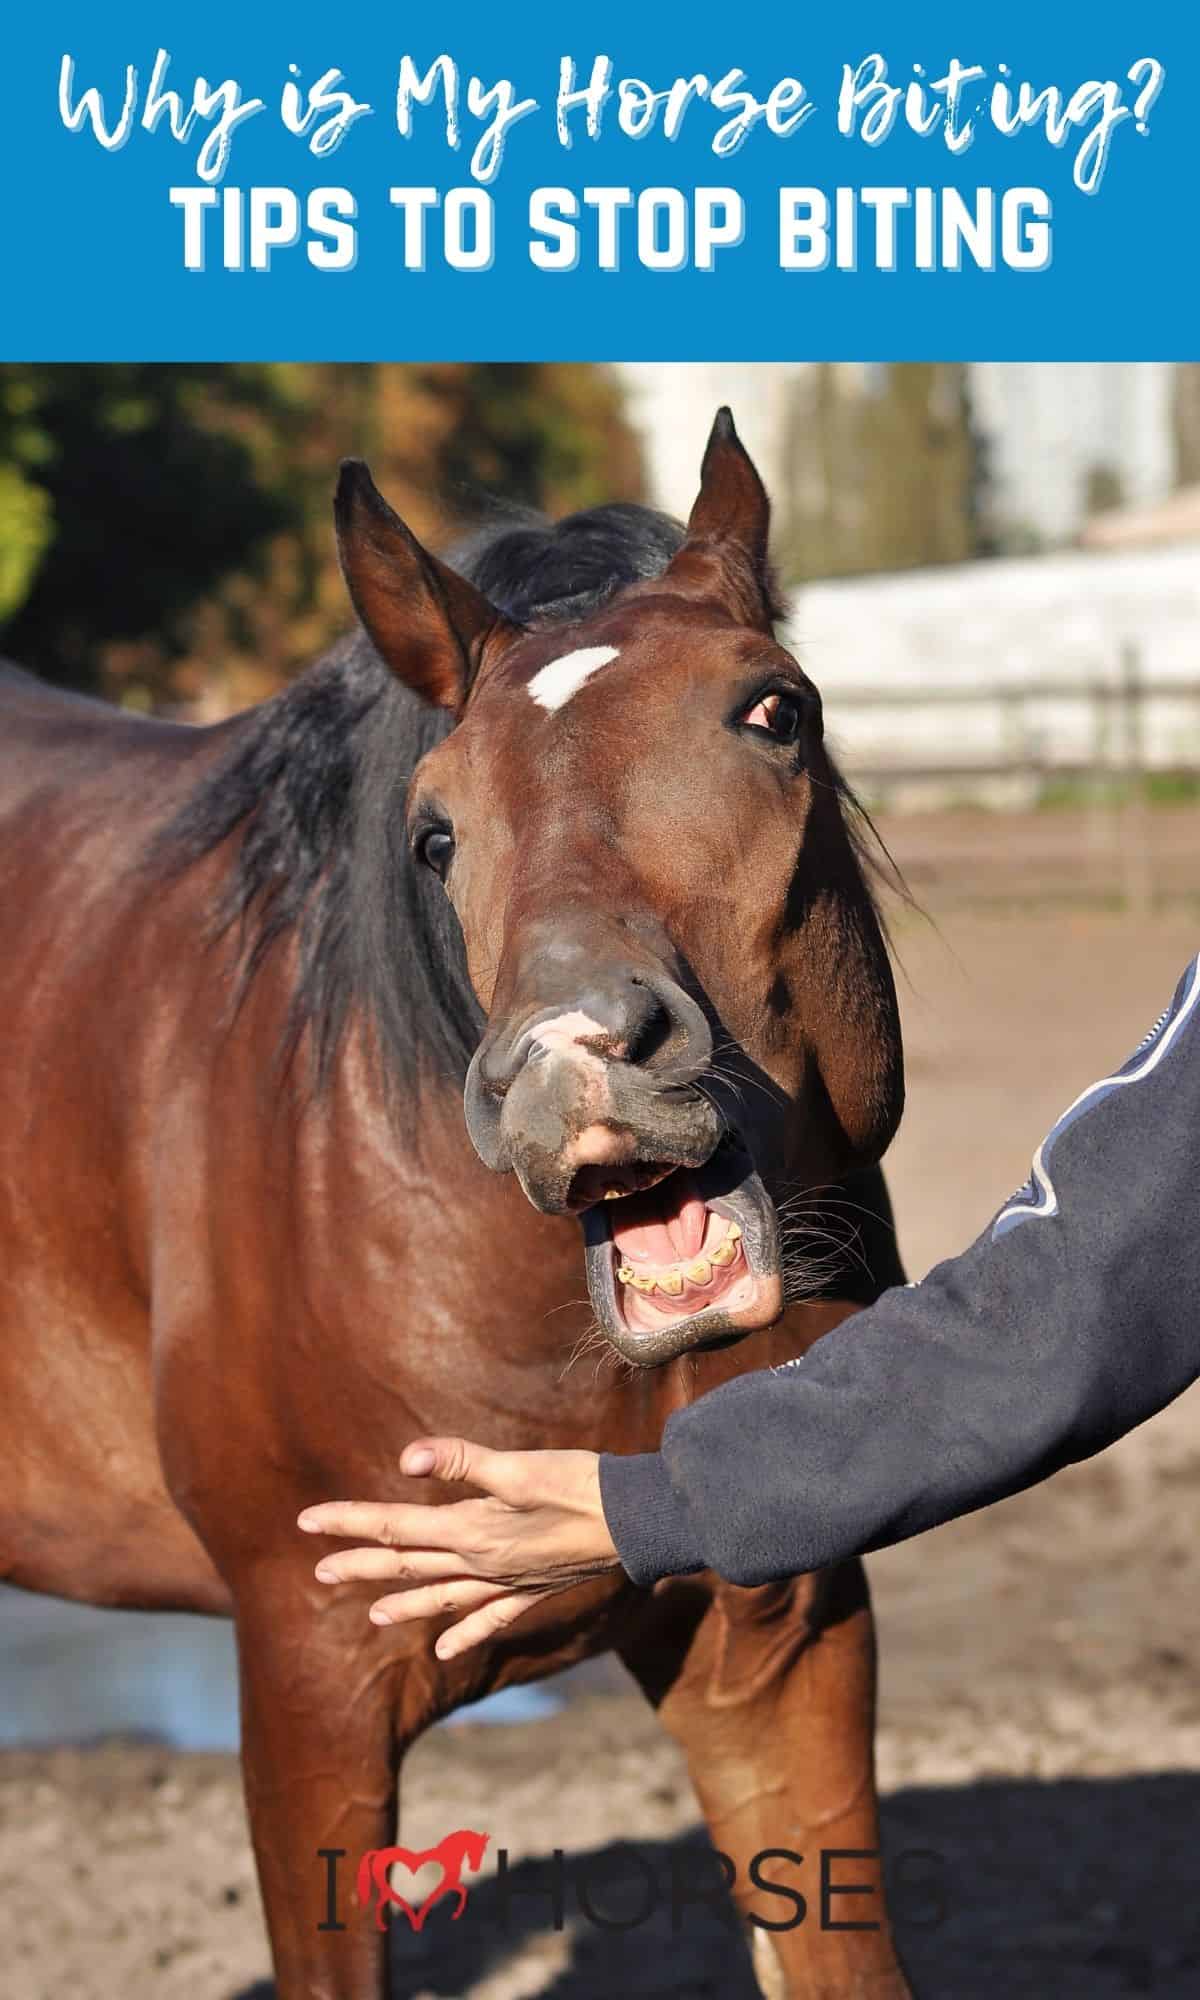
[[1112, 775]]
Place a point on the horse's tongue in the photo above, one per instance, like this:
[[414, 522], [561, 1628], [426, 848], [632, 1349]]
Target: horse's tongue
[[663, 1237]]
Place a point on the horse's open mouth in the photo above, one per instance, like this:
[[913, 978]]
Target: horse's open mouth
[[680, 1258]]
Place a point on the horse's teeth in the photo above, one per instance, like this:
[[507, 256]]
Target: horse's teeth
[[698, 1273]]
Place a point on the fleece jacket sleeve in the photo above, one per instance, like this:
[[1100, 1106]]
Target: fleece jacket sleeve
[[1073, 1318]]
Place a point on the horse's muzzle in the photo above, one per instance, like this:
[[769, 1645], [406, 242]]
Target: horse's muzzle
[[681, 1238], [573, 1126], [588, 1077], [596, 1104]]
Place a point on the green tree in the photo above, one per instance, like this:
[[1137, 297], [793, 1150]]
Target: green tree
[[1185, 421], [886, 471], [166, 531]]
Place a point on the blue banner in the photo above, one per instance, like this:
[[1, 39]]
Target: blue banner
[[599, 183]]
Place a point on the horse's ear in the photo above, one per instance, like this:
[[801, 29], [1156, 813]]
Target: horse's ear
[[724, 555], [428, 623]]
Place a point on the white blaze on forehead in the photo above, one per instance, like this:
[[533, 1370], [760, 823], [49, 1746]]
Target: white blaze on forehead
[[555, 683]]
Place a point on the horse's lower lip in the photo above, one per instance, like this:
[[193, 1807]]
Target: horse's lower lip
[[751, 1297]]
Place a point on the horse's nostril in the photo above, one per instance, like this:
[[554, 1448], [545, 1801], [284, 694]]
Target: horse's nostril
[[672, 1034], [651, 1026], [621, 1020]]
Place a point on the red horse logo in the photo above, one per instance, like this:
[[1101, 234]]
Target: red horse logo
[[457, 1851]]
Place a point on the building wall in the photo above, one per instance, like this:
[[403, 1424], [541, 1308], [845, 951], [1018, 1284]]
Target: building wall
[[672, 405], [1048, 427]]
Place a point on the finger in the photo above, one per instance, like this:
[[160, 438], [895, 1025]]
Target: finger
[[392, 1523], [460, 1461], [405, 1607], [485, 1623], [378, 1565]]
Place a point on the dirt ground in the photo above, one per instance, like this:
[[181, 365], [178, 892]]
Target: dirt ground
[[1040, 1727]]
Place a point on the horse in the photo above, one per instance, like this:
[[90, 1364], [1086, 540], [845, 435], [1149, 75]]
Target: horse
[[464, 1849], [552, 838]]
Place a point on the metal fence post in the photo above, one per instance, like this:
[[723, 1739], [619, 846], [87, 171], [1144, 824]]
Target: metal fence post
[[1099, 786], [1135, 843]]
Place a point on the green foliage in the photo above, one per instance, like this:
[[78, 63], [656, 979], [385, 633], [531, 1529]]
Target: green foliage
[[26, 530], [147, 491], [165, 532], [537, 433], [1112, 791], [886, 469]]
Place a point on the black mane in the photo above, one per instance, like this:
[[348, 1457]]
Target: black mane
[[315, 785]]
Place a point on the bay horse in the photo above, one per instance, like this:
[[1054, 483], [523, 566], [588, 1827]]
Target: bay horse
[[554, 835]]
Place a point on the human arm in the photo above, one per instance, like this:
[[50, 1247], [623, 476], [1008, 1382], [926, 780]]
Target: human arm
[[1071, 1319]]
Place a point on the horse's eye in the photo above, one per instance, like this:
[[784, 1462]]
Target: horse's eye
[[435, 847], [779, 715]]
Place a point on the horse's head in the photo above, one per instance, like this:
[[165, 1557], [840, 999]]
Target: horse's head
[[637, 823]]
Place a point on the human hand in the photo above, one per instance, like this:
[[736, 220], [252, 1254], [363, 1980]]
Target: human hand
[[540, 1530]]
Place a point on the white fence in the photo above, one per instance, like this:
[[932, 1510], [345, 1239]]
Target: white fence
[[989, 675]]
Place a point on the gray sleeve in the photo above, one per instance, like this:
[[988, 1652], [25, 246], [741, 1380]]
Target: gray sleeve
[[1073, 1318]]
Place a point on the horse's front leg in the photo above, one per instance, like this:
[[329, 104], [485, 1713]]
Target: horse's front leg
[[319, 1769], [771, 1693]]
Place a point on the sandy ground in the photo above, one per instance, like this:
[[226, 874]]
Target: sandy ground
[[1040, 1712]]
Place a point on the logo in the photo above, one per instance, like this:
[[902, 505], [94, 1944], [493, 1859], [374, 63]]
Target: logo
[[842, 1884], [457, 1851]]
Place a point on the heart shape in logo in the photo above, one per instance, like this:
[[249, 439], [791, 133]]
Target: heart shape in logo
[[416, 1864], [455, 1852]]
